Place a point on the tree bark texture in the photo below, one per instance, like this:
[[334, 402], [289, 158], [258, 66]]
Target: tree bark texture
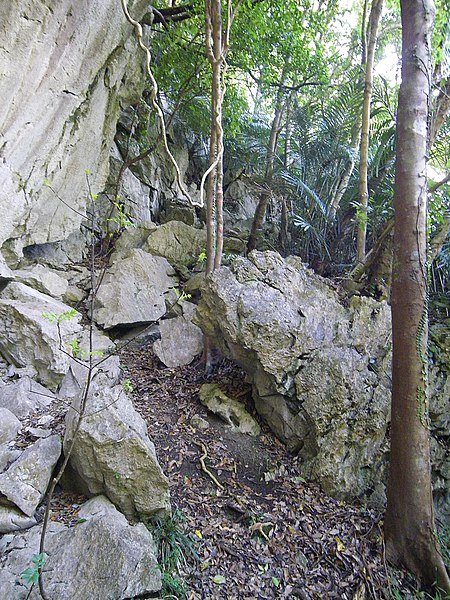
[[214, 189], [409, 522]]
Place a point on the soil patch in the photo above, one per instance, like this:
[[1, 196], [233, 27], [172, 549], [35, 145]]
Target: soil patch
[[258, 529]]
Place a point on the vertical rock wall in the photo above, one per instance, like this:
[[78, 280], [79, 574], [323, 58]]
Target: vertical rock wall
[[66, 69]]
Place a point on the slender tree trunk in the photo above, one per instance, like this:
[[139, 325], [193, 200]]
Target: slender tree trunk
[[372, 29], [260, 212], [355, 132], [217, 45], [409, 522], [345, 177], [214, 190]]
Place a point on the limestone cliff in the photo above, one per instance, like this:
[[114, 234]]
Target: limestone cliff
[[67, 69]]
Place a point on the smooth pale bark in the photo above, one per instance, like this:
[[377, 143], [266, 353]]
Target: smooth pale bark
[[214, 51], [372, 29], [409, 522]]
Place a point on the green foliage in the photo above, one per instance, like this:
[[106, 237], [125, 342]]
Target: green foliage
[[78, 352], [60, 318], [127, 386], [174, 548], [121, 218], [31, 574]]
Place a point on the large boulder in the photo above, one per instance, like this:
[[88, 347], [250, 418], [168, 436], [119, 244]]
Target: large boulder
[[47, 281], [133, 291], [101, 558], [60, 105], [24, 396], [26, 480], [113, 454], [31, 338], [178, 242], [320, 369], [181, 341]]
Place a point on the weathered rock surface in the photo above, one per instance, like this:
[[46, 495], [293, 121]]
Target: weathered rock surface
[[12, 519], [319, 370], [26, 480], [178, 242], [24, 396], [119, 565], [84, 63], [181, 341], [9, 425], [230, 410], [28, 339], [133, 291], [113, 454], [44, 280]]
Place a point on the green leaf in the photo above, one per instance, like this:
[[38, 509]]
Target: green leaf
[[30, 575], [275, 581], [219, 579]]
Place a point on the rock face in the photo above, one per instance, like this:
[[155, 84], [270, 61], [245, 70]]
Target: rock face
[[113, 454], [181, 341], [178, 242], [25, 482], [60, 105], [24, 396], [30, 340], [120, 564], [319, 370], [133, 291]]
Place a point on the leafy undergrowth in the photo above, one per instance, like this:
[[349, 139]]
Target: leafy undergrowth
[[265, 532]]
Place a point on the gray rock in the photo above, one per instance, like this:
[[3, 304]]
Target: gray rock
[[28, 339], [181, 341], [230, 410], [113, 454], [135, 194], [58, 117], [9, 426], [132, 238], [44, 280], [178, 242], [24, 396], [5, 272], [26, 481], [178, 212], [12, 519], [133, 291], [102, 558], [312, 363], [199, 422], [74, 295], [8, 454], [38, 432]]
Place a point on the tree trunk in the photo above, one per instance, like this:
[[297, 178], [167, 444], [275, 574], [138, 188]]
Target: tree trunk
[[260, 212], [374, 18], [409, 522], [214, 190]]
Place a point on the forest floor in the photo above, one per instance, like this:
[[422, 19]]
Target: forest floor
[[259, 530]]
